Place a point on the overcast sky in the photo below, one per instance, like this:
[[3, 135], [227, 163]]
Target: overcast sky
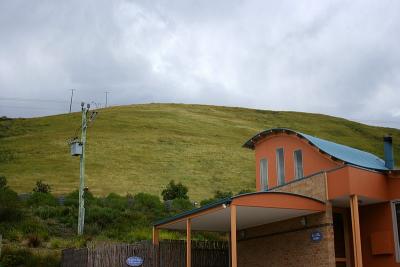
[[340, 58]]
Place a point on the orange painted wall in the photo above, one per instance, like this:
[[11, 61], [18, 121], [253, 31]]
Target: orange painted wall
[[368, 183], [376, 220], [338, 183], [356, 181], [313, 160], [394, 188]]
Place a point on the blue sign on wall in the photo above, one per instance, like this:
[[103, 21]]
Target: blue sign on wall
[[134, 261], [316, 236]]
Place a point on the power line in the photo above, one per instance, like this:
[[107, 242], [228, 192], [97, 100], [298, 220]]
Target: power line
[[21, 99], [16, 99], [28, 107]]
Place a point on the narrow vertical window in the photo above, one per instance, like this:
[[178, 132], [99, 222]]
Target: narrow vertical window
[[263, 174], [396, 227], [280, 166], [298, 164]]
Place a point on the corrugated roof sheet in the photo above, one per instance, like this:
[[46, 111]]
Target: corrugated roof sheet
[[345, 153]]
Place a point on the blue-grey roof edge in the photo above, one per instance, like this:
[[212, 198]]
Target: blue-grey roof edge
[[342, 152]]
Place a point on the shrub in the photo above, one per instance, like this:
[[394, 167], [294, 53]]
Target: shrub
[[47, 212], [115, 201], [24, 257], [11, 260], [101, 216], [15, 257], [10, 208], [41, 187], [137, 235], [180, 205], [147, 203], [218, 195], [34, 227], [72, 199], [42, 199], [175, 191], [13, 234]]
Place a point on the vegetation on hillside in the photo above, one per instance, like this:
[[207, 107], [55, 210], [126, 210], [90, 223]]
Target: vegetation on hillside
[[36, 227], [140, 148]]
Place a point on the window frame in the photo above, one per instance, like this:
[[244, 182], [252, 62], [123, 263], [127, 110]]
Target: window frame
[[263, 186], [279, 181], [295, 164], [396, 229]]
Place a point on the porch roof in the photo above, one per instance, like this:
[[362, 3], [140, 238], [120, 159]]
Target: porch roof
[[253, 209]]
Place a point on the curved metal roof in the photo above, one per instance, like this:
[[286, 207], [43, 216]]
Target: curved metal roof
[[345, 153]]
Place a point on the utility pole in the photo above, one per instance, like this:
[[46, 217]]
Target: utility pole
[[70, 103], [78, 148], [81, 217], [106, 97]]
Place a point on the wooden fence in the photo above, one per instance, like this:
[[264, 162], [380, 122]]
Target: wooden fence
[[167, 254]]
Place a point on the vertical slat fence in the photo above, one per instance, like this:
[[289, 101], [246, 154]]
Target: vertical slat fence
[[168, 254]]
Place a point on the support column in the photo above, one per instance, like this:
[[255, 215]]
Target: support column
[[355, 222], [156, 236], [188, 243], [156, 242], [233, 236]]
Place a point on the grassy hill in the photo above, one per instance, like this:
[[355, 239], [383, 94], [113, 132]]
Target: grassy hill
[[141, 147]]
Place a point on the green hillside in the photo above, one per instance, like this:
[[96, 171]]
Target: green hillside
[[141, 147]]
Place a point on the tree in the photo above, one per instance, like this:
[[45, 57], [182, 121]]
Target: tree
[[42, 187], [174, 191]]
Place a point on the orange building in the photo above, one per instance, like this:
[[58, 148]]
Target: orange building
[[317, 203]]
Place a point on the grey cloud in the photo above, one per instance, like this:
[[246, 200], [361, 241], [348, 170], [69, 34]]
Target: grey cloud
[[335, 57]]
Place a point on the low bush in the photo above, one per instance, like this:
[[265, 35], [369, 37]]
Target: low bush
[[10, 205], [17, 257], [179, 205], [148, 204], [138, 235], [72, 199], [48, 212], [42, 199], [101, 216], [218, 195]]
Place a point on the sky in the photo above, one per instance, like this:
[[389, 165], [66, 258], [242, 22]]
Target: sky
[[340, 58]]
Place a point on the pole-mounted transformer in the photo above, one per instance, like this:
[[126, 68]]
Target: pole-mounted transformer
[[78, 149]]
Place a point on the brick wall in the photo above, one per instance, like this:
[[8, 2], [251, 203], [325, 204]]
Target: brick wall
[[288, 243], [313, 186]]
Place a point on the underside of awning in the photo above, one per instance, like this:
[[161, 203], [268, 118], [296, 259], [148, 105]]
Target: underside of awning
[[252, 210]]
